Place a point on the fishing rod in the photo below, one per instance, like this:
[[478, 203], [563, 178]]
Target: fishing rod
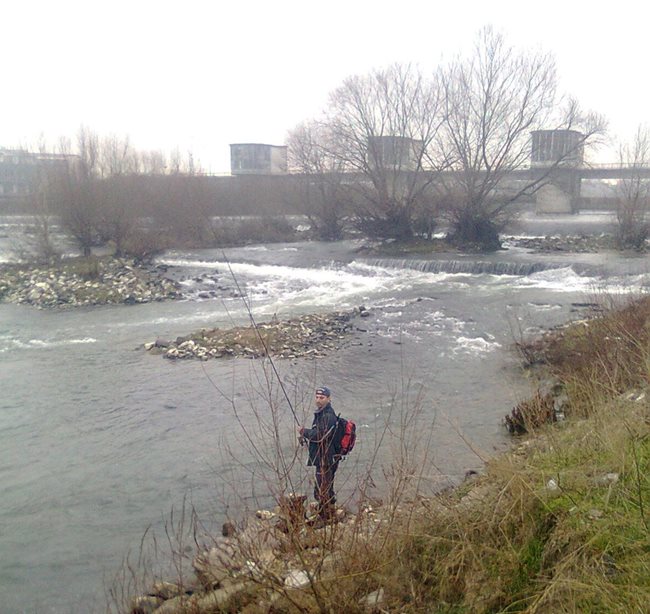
[[259, 336]]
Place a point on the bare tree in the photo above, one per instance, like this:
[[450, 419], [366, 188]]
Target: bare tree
[[381, 127], [77, 197], [78, 207], [118, 218], [39, 245], [153, 163], [633, 191], [117, 157], [322, 195], [88, 147], [494, 100]]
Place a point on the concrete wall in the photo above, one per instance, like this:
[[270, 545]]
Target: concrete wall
[[551, 198]]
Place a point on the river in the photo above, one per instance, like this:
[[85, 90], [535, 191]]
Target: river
[[100, 439]]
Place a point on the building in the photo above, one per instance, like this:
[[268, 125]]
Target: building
[[258, 159], [552, 146], [20, 170], [394, 152]]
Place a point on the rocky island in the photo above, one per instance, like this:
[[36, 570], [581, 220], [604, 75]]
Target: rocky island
[[310, 335], [92, 281]]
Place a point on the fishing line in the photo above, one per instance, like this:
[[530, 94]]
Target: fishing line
[[261, 339]]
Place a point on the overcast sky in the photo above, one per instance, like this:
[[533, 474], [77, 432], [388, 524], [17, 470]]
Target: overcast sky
[[202, 74]]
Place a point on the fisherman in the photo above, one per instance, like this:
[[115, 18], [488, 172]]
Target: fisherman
[[322, 453]]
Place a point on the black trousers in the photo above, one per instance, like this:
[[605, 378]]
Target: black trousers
[[324, 488]]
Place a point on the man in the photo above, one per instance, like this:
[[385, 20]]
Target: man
[[322, 453]]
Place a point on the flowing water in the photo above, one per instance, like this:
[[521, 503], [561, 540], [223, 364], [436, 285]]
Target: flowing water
[[100, 439]]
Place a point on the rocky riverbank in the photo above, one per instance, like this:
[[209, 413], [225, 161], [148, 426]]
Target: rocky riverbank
[[542, 245], [94, 281], [267, 562], [311, 335], [581, 244]]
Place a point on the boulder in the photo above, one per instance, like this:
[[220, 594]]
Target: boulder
[[145, 604], [213, 566], [373, 601], [296, 578], [166, 590]]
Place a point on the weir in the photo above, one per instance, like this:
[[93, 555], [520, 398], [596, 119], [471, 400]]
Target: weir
[[472, 267]]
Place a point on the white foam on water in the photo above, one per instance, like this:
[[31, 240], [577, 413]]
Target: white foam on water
[[179, 261], [542, 307], [331, 287], [31, 344], [272, 287], [403, 332], [393, 314], [235, 311], [192, 283], [567, 280], [476, 346], [442, 324], [435, 323], [391, 303]]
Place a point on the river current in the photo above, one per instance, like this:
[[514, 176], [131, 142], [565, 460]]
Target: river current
[[100, 439]]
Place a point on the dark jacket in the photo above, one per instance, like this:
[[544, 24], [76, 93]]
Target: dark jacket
[[321, 437]]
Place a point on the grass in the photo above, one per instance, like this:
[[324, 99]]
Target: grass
[[412, 247], [561, 524]]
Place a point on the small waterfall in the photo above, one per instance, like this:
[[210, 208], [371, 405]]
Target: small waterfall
[[474, 267]]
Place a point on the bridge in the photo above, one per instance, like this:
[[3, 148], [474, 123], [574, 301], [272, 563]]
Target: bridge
[[562, 189]]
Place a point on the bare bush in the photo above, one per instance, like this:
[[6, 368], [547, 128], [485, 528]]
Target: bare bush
[[323, 197], [633, 192]]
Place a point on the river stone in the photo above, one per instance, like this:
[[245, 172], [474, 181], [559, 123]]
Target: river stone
[[145, 604], [166, 590], [302, 336], [213, 566], [118, 281], [228, 529], [217, 599], [296, 579], [373, 600], [177, 605]]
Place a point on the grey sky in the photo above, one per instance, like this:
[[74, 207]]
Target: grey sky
[[202, 74]]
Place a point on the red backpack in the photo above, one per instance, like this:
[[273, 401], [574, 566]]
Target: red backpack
[[346, 436]]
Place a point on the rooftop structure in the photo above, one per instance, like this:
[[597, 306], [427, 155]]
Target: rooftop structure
[[258, 159], [552, 146]]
